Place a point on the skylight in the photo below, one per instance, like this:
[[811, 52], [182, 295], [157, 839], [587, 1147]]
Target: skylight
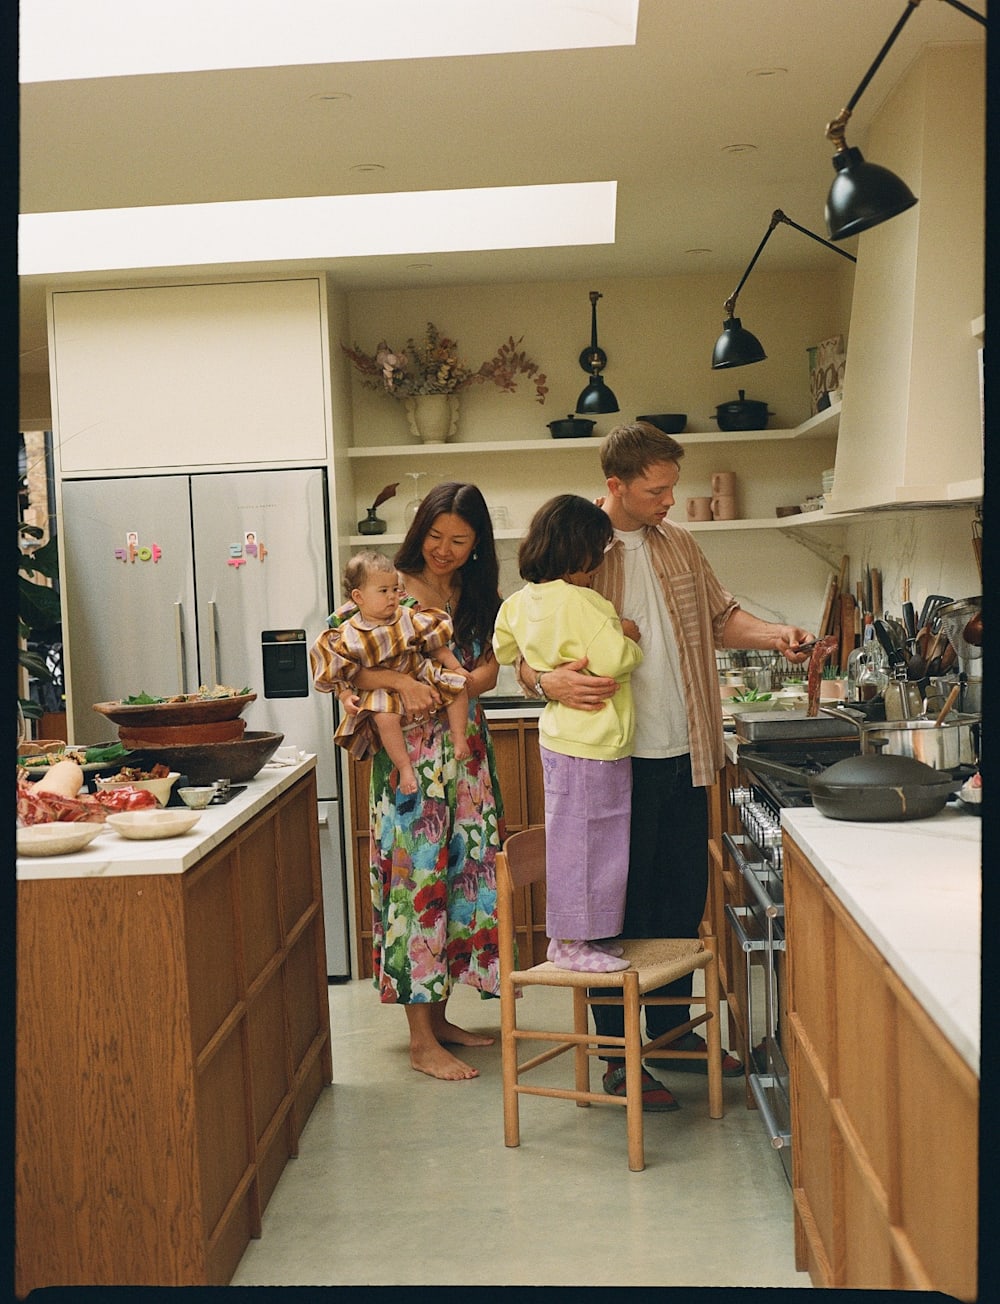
[[63, 40], [321, 227]]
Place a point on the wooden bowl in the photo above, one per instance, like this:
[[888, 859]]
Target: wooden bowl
[[203, 763], [200, 710], [163, 735]]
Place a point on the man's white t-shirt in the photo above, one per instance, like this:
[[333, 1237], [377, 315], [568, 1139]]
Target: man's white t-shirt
[[657, 688]]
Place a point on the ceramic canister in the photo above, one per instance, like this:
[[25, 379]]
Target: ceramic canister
[[724, 484], [699, 509]]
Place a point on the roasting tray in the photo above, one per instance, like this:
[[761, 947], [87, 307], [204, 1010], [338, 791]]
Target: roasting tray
[[764, 725]]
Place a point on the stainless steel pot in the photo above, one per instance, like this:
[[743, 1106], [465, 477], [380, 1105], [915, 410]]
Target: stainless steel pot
[[944, 747]]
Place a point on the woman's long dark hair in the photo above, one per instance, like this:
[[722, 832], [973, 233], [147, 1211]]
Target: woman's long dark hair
[[480, 576], [566, 534]]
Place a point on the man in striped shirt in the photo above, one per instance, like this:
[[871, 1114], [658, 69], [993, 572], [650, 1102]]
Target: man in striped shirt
[[655, 574]]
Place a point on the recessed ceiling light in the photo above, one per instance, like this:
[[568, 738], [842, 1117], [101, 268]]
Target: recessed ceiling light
[[767, 72], [697, 251], [738, 149], [330, 97], [367, 167], [417, 267]]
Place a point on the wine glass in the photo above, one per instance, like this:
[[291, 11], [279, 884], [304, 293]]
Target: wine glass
[[410, 510]]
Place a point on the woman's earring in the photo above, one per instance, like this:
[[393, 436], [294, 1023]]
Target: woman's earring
[[475, 555]]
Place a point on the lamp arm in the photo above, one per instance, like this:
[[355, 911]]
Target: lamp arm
[[836, 129], [730, 304], [964, 9], [778, 217]]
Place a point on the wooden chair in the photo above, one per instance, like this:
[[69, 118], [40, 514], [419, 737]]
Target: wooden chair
[[654, 962]]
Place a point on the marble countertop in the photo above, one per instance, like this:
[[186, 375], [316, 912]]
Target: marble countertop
[[111, 855], [914, 888]]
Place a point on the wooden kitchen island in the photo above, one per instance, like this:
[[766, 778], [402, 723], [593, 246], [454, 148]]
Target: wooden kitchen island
[[173, 1036], [883, 927]]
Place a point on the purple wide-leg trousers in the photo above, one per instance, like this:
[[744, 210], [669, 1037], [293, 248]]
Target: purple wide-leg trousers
[[587, 818]]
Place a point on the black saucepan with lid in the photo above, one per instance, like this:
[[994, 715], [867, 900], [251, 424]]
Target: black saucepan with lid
[[879, 787], [742, 414], [572, 427]]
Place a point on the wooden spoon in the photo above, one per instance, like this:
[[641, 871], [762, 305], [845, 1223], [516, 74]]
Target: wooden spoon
[[949, 702]]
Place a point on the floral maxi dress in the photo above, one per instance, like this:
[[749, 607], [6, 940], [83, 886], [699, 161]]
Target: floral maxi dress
[[433, 864]]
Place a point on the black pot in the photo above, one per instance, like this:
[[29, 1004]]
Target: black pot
[[670, 423], [878, 787], [742, 414], [572, 428]]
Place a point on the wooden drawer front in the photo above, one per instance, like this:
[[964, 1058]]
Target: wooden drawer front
[[867, 1245], [864, 1084], [936, 1208], [211, 943], [308, 1015], [508, 753], [268, 1051], [298, 839], [261, 926], [224, 1127]]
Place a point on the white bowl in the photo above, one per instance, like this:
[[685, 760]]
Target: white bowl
[[196, 798], [160, 788], [57, 839], [153, 823]]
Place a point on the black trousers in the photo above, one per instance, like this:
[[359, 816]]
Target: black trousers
[[667, 875]]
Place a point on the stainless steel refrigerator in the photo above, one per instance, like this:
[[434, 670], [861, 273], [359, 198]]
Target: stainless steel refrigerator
[[173, 581]]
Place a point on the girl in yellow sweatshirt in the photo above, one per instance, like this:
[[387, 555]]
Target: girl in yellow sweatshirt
[[586, 768]]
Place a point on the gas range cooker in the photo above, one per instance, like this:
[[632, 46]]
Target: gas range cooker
[[783, 770]]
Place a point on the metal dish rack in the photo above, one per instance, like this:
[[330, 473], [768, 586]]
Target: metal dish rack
[[740, 659]]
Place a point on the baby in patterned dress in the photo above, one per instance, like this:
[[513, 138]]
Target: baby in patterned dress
[[385, 634]]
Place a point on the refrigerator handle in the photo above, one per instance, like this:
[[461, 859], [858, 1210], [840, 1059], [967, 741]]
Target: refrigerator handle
[[213, 644], [179, 645]]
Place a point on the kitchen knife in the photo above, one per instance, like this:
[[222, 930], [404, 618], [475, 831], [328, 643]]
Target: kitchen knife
[[909, 620]]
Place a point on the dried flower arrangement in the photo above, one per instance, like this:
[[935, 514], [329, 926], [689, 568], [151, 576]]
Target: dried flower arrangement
[[433, 367]]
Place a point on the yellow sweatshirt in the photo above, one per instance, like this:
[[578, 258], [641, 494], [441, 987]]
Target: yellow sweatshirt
[[551, 623]]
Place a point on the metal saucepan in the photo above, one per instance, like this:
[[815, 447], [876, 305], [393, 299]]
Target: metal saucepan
[[943, 746], [881, 788]]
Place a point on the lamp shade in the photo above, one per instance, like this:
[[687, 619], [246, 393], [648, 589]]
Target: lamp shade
[[597, 397], [736, 347], [863, 195]]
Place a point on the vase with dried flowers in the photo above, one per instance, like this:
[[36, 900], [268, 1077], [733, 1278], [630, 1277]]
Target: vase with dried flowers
[[433, 370], [372, 523]]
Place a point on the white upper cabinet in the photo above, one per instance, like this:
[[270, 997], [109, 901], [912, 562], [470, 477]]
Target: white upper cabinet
[[169, 376], [911, 426]]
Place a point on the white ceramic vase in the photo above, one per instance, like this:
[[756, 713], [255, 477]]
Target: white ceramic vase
[[433, 418]]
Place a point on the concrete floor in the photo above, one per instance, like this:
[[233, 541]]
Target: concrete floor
[[403, 1180]]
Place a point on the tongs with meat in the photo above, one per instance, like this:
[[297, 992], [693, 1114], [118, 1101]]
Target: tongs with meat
[[823, 650]]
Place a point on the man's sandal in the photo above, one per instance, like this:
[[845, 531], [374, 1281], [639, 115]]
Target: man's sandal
[[656, 1099]]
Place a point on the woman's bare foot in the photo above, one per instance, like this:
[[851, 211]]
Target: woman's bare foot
[[450, 1034], [436, 1062]]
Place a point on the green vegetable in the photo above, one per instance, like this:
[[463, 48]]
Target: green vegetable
[[105, 753], [751, 695], [143, 699]]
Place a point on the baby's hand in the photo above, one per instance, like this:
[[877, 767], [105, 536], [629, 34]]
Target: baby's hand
[[350, 702], [630, 629]]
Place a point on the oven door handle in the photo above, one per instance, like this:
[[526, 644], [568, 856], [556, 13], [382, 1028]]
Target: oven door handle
[[736, 915], [771, 908]]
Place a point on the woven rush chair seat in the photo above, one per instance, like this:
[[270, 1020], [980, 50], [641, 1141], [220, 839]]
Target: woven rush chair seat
[[653, 963]]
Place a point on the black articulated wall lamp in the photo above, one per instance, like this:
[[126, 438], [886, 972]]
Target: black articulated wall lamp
[[864, 194], [737, 347], [596, 397]]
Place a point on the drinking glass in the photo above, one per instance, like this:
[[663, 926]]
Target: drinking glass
[[410, 510]]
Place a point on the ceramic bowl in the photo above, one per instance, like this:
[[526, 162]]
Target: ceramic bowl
[[56, 839], [196, 798], [145, 824], [160, 788]]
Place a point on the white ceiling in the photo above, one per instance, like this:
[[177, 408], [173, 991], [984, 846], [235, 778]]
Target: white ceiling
[[664, 118]]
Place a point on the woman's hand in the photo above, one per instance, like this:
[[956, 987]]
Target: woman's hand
[[482, 677], [630, 629], [418, 698], [566, 684]]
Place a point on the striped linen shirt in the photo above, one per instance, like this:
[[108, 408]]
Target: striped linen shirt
[[699, 608]]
